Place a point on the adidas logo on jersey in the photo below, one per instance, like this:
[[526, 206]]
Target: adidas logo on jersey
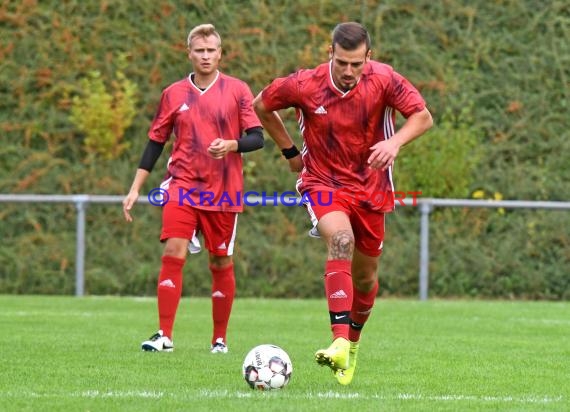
[[184, 107], [167, 283], [321, 110], [339, 294]]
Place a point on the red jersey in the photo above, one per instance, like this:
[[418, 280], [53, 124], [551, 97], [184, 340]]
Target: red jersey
[[338, 128], [197, 117]]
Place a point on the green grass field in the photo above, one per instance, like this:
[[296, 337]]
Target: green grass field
[[83, 354]]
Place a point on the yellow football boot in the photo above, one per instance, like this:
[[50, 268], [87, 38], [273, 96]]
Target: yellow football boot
[[344, 376], [335, 356]]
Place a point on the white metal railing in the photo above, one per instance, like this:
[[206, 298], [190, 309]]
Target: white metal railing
[[425, 206], [81, 202]]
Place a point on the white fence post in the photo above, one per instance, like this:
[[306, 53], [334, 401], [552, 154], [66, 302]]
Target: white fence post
[[425, 210], [81, 202]]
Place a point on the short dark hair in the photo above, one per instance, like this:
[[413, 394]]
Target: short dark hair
[[350, 36]]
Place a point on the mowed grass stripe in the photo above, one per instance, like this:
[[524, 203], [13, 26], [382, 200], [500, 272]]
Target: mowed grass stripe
[[66, 353], [218, 394]]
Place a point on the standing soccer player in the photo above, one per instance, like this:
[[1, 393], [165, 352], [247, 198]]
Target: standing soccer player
[[208, 112], [346, 113]]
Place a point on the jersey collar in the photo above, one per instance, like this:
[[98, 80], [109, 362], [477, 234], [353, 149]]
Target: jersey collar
[[208, 87], [333, 85]]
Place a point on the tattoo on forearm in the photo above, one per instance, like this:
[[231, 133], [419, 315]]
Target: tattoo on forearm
[[342, 245]]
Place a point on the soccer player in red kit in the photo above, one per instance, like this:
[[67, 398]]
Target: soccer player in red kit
[[213, 122], [346, 113]]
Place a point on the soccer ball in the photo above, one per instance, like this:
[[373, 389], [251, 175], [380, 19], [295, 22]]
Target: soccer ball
[[267, 367]]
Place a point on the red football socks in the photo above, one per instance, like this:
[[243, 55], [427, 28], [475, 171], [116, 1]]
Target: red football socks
[[361, 308], [338, 287], [223, 291], [169, 291]]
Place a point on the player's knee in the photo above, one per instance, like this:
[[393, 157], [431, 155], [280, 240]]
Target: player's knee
[[365, 278], [175, 250], [365, 284], [220, 262]]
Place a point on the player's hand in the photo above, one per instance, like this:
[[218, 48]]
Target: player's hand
[[128, 203], [383, 154], [220, 147], [296, 163]]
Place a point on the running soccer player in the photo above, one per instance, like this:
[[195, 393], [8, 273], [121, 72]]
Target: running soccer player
[[208, 112], [346, 113]]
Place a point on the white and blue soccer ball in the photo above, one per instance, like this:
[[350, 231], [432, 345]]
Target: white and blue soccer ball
[[267, 367]]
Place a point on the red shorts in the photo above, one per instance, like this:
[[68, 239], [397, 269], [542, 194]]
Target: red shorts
[[186, 222], [367, 225]]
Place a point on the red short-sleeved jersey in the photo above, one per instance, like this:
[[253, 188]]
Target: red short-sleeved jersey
[[338, 128], [197, 117]]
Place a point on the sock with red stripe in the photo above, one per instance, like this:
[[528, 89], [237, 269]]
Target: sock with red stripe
[[169, 291], [338, 287], [362, 305], [223, 291]]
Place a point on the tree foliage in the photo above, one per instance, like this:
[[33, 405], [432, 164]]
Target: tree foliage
[[103, 116], [80, 81]]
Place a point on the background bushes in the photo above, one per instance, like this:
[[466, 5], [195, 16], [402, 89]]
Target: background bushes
[[494, 73]]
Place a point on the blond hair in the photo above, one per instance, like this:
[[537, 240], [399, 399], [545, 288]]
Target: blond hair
[[203, 30]]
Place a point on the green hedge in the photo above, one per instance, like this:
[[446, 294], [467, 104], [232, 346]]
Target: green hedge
[[495, 75]]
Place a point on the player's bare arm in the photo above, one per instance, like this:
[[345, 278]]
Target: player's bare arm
[[150, 155], [133, 195], [384, 153], [276, 129]]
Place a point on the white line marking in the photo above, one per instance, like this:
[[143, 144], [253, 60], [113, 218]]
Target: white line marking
[[119, 394], [545, 321], [219, 394], [401, 396]]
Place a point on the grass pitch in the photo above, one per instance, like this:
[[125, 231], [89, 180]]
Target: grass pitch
[[83, 354]]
